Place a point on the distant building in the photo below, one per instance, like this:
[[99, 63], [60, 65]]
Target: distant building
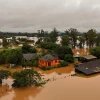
[[9, 39], [48, 60], [21, 37]]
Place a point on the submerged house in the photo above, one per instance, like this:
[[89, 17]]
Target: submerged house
[[30, 56], [49, 60], [88, 68], [85, 58]]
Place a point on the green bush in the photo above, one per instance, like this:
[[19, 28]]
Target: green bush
[[48, 45], [63, 64], [69, 58], [28, 49], [96, 52], [47, 68]]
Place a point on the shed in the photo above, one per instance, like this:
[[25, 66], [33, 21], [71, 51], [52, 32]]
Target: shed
[[29, 56]]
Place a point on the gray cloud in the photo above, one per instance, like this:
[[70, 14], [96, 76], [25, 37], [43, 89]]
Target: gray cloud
[[31, 15]]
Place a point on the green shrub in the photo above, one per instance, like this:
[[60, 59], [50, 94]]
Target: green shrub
[[63, 64], [96, 52], [69, 58], [47, 68]]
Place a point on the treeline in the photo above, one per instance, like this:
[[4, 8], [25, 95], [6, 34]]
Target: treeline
[[71, 37], [11, 34]]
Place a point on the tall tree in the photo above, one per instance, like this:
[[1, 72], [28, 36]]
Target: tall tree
[[15, 57], [73, 33], [85, 35], [91, 37], [65, 40], [81, 41], [53, 35], [5, 43], [98, 39]]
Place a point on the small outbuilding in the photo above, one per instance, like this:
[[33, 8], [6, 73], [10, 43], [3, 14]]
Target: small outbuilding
[[30, 56], [48, 60]]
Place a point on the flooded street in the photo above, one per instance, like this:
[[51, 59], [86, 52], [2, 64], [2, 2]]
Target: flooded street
[[62, 86]]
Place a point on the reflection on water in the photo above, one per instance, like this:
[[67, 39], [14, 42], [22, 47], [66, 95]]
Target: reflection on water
[[62, 86]]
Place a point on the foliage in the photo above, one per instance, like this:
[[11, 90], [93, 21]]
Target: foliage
[[98, 40], [65, 40], [96, 52], [69, 58], [61, 51], [28, 49], [91, 37], [53, 35], [5, 43], [4, 74], [15, 56], [48, 45], [27, 77], [63, 64], [82, 42], [30, 63], [47, 68], [3, 56], [73, 33]]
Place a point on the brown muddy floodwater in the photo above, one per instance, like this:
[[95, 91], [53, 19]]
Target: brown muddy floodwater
[[62, 86]]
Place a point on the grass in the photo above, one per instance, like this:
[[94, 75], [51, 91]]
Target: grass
[[81, 74]]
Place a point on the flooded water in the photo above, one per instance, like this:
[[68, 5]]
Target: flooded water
[[62, 86]]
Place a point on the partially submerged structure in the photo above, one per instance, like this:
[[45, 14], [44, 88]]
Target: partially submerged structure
[[30, 56], [48, 60], [89, 68], [85, 58]]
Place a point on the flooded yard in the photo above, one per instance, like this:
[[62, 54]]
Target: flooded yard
[[62, 86]]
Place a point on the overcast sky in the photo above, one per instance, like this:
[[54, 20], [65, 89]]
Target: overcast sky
[[31, 15]]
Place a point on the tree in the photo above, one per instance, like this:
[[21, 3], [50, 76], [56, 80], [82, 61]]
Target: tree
[[63, 64], [61, 51], [4, 74], [5, 43], [48, 45], [73, 35], [28, 49], [27, 77], [91, 37], [98, 40], [85, 35], [3, 56], [96, 52], [15, 57], [65, 40], [81, 41], [53, 35], [69, 58]]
